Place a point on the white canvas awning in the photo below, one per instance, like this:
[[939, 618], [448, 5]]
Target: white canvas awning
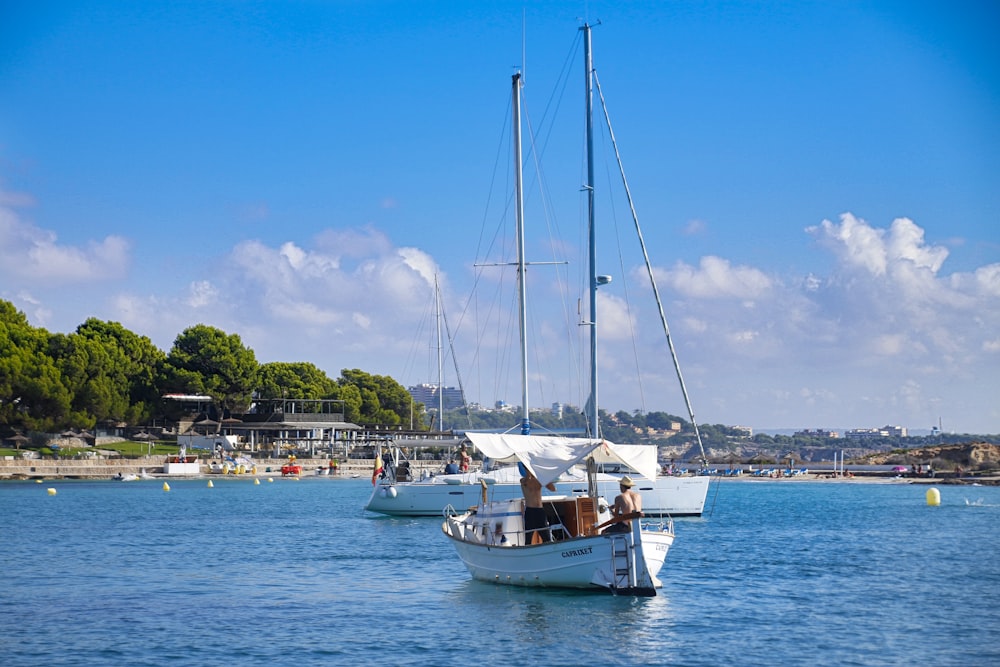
[[548, 456]]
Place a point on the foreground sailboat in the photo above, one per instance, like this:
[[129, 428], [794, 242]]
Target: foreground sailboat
[[492, 541], [577, 550]]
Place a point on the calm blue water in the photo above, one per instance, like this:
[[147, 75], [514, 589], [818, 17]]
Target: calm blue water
[[293, 572]]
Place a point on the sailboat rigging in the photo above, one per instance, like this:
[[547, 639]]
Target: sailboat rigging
[[667, 495]]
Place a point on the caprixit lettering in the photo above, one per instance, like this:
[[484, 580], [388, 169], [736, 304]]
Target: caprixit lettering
[[577, 552]]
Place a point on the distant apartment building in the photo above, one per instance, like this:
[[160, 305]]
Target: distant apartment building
[[871, 433], [428, 395], [746, 431], [818, 433]]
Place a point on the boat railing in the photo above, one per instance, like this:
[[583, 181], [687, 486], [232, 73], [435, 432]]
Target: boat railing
[[662, 525]]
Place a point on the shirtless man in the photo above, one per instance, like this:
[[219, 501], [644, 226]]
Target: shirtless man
[[534, 514], [625, 503]]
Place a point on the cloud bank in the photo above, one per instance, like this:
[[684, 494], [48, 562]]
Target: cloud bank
[[886, 335]]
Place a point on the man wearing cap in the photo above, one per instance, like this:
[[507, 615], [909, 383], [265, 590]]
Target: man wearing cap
[[626, 502]]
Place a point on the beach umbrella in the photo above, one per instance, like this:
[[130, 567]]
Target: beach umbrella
[[17, 438], [142, 436], [207, 424], [230, 422]]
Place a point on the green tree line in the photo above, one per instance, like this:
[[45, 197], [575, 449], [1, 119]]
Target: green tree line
[[104, 373]]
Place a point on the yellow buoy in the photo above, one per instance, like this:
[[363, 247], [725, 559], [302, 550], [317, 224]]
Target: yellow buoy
[[38, 481], [256, 481], [52, 491], [166, 487], [269, 479], [933, 497], [210, 485]]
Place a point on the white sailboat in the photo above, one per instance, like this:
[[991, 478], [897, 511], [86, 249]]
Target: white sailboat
[[400, 492], [491, 538]]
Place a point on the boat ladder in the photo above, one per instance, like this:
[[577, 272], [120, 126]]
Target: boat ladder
[[621, 563]]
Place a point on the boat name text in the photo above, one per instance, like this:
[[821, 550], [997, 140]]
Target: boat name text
[[577, 552]]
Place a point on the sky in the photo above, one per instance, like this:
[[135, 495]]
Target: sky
[[818, 186]]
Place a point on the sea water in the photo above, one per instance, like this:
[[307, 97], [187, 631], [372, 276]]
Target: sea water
[[293, 572]]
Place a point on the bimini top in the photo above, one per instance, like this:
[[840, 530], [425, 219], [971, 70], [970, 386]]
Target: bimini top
[[548, 456]]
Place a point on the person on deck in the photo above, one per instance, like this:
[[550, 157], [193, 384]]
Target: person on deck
[[464, 459], [627, 502], [534, 513]]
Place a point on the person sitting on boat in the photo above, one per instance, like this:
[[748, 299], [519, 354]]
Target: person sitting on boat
[[534, 514], [451, 468], [627, 502]]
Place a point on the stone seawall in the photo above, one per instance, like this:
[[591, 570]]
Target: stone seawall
[[100, 468]]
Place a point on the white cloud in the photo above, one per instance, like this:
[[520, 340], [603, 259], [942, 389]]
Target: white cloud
[[695, 228], [859, 245], [615, 322], [887, 322], [201, 294], [715, 278], [351, 290], [30, 255], [854, 242]]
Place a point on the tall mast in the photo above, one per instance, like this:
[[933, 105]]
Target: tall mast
[[592, 416], [440, 391], [521, 287]]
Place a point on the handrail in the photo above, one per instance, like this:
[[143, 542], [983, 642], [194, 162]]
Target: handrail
[[621, 518]]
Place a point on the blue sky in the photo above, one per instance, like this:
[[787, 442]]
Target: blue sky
[[818, 184]]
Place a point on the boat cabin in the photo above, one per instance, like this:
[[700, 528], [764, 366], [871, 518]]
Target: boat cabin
[[501, 523]]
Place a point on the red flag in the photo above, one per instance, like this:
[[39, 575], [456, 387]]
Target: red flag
[[378, 469]]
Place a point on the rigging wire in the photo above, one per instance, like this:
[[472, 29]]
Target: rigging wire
[[649, 270]]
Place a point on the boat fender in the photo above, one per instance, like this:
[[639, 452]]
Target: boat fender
[[391, 491], [382, 493]]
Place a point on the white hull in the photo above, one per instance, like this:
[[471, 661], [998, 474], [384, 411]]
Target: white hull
[[622, 563], [665, 496]]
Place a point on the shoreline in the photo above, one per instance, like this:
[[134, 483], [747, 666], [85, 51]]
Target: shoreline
[[52, 469]]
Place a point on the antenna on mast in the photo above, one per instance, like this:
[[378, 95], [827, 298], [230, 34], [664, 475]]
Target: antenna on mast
[[524, 40]]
